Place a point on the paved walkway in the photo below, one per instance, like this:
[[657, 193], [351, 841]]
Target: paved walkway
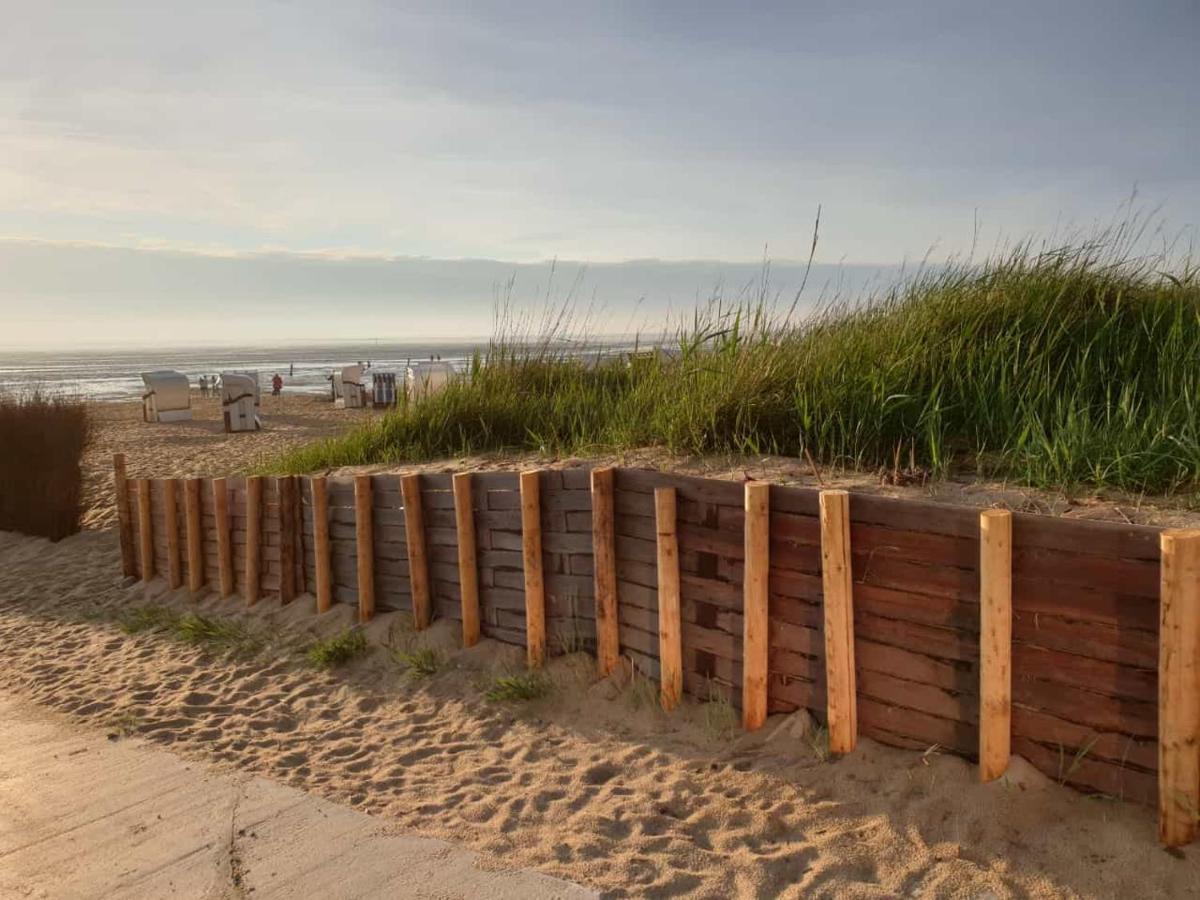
[[82, 816]]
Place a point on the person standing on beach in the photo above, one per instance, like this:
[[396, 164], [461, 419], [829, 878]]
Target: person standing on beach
[[276, 384]]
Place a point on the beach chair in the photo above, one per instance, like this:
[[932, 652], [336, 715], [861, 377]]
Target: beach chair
[[383, 389], [353, 391], [240, 401], [427, 378], [167, 398]]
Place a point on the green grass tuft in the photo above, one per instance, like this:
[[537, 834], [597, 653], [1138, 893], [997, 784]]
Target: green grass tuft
[[190, 628], [1056, 367], [420, 663], [520, 687], [331, 652]]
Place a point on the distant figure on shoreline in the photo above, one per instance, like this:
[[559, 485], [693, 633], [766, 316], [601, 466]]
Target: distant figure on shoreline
[[276, 384], [203, 385], [291, 370]]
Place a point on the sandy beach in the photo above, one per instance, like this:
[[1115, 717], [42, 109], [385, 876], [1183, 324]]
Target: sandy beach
[[592, 782], [201, 446]]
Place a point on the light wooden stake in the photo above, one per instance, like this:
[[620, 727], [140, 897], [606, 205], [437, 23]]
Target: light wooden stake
[[171, 511], [837, 581], [755, 622], [468, 569], [670, 637], [364, 536], [195, 538], [535, 587], [418, 558], [1178, 682], [129, 563], [254, 504], [321, 546], [224, 547], [995, 642], [604, 567], [145, 529]]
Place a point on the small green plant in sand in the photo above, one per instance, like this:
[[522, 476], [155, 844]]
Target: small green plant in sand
[[147, 618], [419, 663], [720, 718], [190, 628], [521, 686], [331, 652], [1067, 769], [642, 692], [818, 743]]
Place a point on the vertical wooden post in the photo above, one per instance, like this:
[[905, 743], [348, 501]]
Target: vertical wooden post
[[1178, 678], [195, 540], [670, 630], [171, 511], [604, 567], [224, 547], [321, 546], [995, 642], [755, 622], [468, 570], [129, 564], [535, 586], [364, 539], [145, 529], [286, 495], [837, 579], [418, 559], [254, 495], [301, 583]]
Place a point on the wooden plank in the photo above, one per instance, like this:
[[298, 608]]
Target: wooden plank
[[468, 566], [171, 513], [129, 564], [365, 580], [322, 560], [220, 495], [254, 506], [531, 549], [195, 536], [285, 490], [604, 572], [836, 578], [418, 559], [670, 630], [1178, 671], [145, 530], [995, 642], [755, 620]]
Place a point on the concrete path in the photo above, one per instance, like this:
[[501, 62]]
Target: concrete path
[[83, 816]]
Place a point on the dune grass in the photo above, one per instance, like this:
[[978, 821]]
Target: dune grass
[[337, 650], [42, 440], [519, 687], [1055, 367], [190, 628]]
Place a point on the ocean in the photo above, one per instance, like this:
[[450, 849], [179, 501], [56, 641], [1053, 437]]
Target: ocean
[[116, 374]]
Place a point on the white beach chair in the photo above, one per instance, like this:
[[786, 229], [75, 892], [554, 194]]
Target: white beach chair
[[168, 397], [352, 389], [427, 378], [383, 388], [240, 401]]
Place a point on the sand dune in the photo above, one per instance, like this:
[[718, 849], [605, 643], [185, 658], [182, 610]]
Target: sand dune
[[591, 783]]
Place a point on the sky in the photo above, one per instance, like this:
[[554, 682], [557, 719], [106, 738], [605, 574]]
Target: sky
[[359, 169]]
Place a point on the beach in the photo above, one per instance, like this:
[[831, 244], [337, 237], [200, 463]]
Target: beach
[[201, 446], [591, 782]]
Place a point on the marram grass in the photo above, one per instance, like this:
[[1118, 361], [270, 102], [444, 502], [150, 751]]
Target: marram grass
[[1075, 366]]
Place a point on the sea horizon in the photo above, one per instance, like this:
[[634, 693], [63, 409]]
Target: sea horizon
[[114, 373]]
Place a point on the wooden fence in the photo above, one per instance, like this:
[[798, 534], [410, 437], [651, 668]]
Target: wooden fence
[[1073, 644]]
